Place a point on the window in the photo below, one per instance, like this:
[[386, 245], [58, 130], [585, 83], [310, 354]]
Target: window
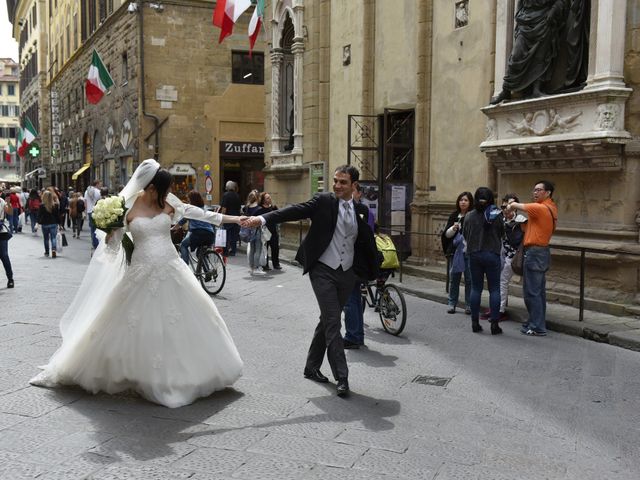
[[125, 68], [11, 90], [5, 110], [247, 69], [12, 132], [75, 32]]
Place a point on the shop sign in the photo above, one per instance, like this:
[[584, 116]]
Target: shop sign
[[182, 169], [241, 149]]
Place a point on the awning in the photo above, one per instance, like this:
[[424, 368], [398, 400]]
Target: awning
[[31, 173], [80, 170]]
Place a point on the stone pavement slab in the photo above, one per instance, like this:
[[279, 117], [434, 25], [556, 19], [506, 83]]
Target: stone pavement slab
[[515, 407]]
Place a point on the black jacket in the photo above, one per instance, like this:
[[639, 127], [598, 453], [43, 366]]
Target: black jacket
[[48, 218], [322, 210]]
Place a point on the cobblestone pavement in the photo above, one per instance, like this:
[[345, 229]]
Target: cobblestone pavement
[[516, 407]]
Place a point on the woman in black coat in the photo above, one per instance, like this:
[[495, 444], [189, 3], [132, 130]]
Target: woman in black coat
[[274, 243]]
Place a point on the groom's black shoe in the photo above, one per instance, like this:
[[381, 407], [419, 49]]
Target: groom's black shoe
[[315, 375], [342, 388]]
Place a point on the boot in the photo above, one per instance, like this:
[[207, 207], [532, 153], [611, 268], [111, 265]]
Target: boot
[[495, 328], [475, 326]]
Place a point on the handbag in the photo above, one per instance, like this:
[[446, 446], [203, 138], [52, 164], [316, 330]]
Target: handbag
[[517, 262], [221, 238], [5, 231], [266, 234], [64, 240]]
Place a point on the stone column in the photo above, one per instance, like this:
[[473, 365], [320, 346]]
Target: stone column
[[608, 42], [504, 42], [276, 66], [298, 84]]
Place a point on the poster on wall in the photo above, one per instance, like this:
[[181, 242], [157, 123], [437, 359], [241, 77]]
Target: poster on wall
[[370, 197]]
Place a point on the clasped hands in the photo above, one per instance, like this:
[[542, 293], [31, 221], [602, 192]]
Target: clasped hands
[[250, 221]]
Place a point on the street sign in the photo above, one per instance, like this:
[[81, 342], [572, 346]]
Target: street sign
[[208, 184], [209, 198]]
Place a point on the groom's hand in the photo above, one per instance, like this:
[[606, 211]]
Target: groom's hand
[[251, 222]]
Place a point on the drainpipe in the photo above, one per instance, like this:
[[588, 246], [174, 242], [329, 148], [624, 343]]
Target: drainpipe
[[156, 120]]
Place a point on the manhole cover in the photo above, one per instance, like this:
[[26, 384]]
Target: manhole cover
[[428, 380]]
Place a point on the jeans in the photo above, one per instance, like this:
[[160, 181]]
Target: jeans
[[194, 239], [535, 266], [454, 285], [233, 232], [77, 223], [354, 318], [50, 232], [15, 220], [485, 263], [33, 218], [255, 251], [4, 256], [92, 227], [505, 278]]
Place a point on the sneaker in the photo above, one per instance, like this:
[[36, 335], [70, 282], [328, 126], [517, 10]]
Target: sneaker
[[535, 333], [259, 272], [46, 254], [524, 329], [467, 311], [10, 284], [53, 254], [451, 310]]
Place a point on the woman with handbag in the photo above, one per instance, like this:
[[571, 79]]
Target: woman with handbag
[[274, 242], [254, 237], [464, 204], [5, 235], [48, 217]]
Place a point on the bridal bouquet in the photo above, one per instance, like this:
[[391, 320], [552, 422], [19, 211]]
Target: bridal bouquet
[[108, 215]]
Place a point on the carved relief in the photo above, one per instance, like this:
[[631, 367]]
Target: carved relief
[[109, 138], [491, 129], [462, 13], [607, 116], [543, 122]]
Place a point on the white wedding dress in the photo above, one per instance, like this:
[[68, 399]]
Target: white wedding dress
[[149, 327]]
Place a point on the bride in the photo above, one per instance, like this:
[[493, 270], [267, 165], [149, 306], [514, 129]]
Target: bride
[[148, 327]]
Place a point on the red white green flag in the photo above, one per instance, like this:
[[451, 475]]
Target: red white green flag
[[9, 152], [255, 24], [226, 15], [98, 80], [22, 147], [29, 132]]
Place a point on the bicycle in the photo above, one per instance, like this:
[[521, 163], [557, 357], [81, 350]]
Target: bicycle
[[208, 265], [388, 301]]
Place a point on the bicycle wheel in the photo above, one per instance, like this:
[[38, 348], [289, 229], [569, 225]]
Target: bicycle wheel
[[212, 272], [393, 309]]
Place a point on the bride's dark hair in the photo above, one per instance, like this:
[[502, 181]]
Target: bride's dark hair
[[162, 180]]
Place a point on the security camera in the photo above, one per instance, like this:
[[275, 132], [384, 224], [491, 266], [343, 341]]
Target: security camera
[[132, 8]]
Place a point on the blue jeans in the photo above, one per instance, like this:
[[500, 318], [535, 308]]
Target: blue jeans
[[194, 239], [233, 231], [353, 317], [483, 264], [15, 220], [4, 256], [454, 285], [255, 250], [535, 266], [92, 227], [33, 218], [49, 232]]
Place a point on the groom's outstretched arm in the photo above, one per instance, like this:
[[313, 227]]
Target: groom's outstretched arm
[[287, 214]]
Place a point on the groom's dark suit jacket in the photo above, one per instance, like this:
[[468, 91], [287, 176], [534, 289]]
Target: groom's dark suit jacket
[[322, 210]]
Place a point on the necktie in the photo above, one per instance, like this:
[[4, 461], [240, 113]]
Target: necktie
[[346, 215]]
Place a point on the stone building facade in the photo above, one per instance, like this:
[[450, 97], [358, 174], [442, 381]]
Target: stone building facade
[[402, 90], [176, 95], [10, 164]]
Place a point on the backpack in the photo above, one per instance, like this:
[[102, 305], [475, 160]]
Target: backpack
[[80, 205], [385, 245]]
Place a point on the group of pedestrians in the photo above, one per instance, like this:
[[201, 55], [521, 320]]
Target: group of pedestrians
[[481, 241]]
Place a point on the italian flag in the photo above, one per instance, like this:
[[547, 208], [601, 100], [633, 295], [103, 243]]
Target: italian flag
[[255, 24], [226, 15], [98, 80], [8, 153], [29, 132], [22, 146]]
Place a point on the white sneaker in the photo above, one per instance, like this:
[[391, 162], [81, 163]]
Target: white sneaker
[[259, 271]]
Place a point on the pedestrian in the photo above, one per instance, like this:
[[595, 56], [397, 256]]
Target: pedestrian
[[91, 197], [513, 235], [353, 314], [33, 206], [5, 236], [64, 208], [200, 233], [542, 216], [452, 249], [254, 240], [24, 198], [230, 205], [482, 232], [274, 242], [48, 217], [338, 249], [76, 213], [14, 201]]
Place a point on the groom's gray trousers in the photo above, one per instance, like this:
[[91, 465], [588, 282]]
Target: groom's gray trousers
[[332, 289]]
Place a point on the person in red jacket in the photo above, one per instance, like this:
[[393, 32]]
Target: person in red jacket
[[14, 201]]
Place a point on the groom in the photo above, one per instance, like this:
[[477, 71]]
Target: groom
[[338, 249]]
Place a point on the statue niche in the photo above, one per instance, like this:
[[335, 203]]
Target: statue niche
[[550, 49]]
